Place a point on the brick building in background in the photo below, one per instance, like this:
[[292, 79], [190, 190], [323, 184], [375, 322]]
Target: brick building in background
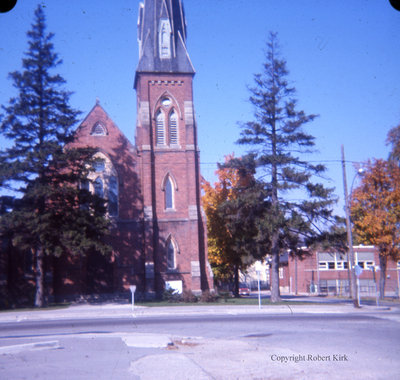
[[153, 187], [326, 273]]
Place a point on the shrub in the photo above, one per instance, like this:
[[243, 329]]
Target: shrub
[[171, 295], [207, 296], [189, 297]]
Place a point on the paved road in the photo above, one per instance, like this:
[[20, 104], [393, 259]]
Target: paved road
[[209, 345]]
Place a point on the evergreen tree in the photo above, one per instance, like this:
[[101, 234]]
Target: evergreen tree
[[52, 214], [393, 139], [278, 142]]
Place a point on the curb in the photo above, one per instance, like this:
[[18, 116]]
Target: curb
[[107, 311]]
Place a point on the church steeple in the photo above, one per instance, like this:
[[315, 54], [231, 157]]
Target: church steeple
[[162, 38], [166, 139]]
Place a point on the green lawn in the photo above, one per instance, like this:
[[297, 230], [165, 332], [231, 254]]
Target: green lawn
[[220, 302]]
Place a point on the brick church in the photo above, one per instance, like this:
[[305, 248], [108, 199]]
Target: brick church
[[152, 188]]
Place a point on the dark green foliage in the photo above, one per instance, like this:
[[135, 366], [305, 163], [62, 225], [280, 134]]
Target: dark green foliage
[[393, 139], [242, 213], [52, 215], [298, 209]]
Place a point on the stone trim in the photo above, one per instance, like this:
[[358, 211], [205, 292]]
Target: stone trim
[[148, 212], [195, 268], [166, 82], [193, 212]]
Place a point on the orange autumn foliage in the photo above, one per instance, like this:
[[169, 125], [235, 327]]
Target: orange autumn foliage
[[220, 253], [375, 208]]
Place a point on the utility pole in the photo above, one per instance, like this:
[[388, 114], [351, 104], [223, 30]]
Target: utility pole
[[351, 263]]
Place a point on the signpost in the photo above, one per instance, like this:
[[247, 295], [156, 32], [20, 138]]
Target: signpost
[[258, 270], [358, 270], [374, 269], [133, 289]]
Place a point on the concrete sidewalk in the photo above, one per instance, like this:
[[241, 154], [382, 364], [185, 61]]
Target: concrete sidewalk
[[111, 310]]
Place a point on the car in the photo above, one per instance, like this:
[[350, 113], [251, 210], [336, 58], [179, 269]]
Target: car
[[243, 291]]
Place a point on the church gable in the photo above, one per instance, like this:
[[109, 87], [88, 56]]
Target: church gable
[[98, 131]]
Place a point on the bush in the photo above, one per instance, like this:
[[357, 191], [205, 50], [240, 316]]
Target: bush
[[207, 296], [171, 295], [225, 295], [189, 297]]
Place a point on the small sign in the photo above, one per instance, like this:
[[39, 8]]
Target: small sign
[[258, 266], [358, 270], [176, 286]]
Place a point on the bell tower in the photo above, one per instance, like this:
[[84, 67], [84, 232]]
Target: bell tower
[[175, 246]]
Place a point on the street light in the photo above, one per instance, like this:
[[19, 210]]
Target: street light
[[351, 266]]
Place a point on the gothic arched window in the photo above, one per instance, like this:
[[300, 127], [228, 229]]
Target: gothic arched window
[[99, 187], [171, 254], [160, 128], [169, 193], [99, 165], [173, 128], [85, 188], [103, 181], [113, 196]]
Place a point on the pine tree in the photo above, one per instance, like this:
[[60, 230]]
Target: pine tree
[[52, 215], [277, 140], [393, 139]]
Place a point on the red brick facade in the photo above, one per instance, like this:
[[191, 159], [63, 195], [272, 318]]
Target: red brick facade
[[144, 226], [177, 162], [153, 187], [327, 273]]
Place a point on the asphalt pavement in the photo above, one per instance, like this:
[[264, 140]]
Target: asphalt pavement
[[195, 357]]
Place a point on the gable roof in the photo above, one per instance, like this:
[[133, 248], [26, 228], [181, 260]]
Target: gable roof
[[111, 141]]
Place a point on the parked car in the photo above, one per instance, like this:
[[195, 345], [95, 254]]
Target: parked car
[[243, 291]]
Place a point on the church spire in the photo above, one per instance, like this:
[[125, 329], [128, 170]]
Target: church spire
[[162, 37]]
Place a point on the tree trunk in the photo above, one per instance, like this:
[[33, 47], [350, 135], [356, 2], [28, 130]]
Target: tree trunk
[[236, 281], [275, 293], [382, 276], [39, 298]]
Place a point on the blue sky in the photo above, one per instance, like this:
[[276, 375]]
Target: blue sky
[[343, 57]]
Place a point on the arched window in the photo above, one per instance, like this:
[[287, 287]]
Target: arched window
[[99, 165], [85, 185], [173, 128], [160, 128], [103, 182], [113, 196], [171, 254], [85, 189], [169, 193], [99, 187]]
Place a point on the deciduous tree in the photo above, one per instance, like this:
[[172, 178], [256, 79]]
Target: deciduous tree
[[375, 212], [231, 208]]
